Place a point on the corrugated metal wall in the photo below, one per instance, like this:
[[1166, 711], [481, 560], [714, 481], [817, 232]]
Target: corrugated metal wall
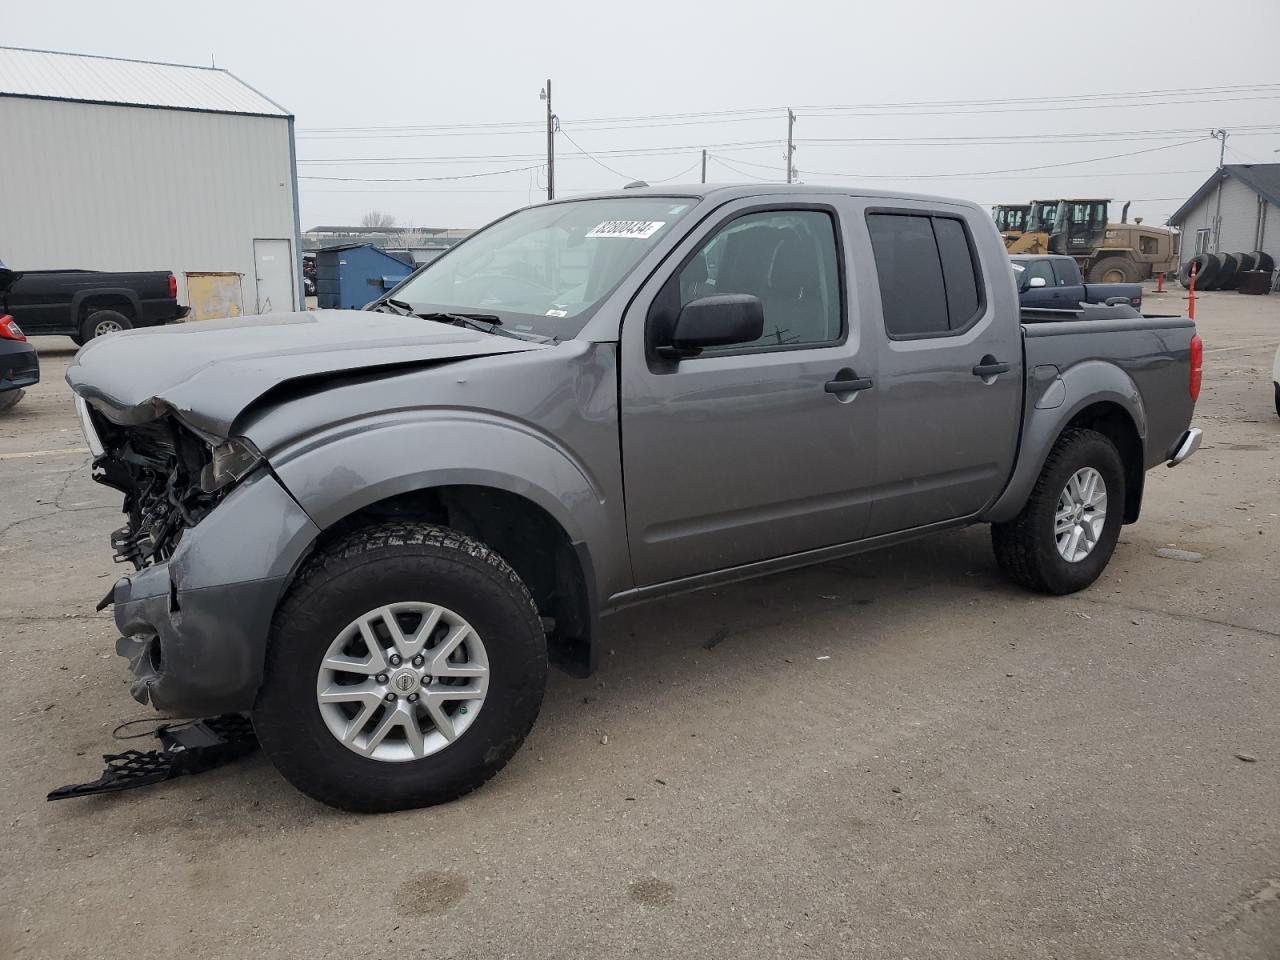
[[136, 188], [1239, 222]]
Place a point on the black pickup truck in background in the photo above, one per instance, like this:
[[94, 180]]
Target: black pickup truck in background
[[83, 304], [1054, 282]]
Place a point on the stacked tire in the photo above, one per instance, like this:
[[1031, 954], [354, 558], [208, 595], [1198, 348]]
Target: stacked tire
[[1224, 271]]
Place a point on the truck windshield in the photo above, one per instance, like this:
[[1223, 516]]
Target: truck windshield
[[543, 270]]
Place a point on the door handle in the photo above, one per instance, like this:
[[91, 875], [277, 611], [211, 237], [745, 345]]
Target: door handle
[[847, 382], [990, 367]]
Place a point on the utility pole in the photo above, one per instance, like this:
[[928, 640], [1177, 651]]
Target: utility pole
[[1222, 159], [704, 165], [791, 147], [551, 142]]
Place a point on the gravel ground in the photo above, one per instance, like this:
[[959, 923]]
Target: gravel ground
[[898, 755]]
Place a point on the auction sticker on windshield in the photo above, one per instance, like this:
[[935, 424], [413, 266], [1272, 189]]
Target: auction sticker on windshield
[[628, 229]]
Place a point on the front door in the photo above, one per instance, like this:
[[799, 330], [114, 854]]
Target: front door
[[754, 451], [273, 275], [1042, 294], [949, 378]]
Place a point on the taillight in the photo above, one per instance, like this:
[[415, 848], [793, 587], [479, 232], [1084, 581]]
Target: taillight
[[1197, 366], [173, 287], [9, 329]]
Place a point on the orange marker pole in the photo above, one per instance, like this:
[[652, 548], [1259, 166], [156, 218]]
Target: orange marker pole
[[1191, 294], [1160, 282]]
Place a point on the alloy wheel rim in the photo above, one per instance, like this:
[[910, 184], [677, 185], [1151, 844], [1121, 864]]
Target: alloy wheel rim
[[402, 681], [106, 326], [1081, 515]]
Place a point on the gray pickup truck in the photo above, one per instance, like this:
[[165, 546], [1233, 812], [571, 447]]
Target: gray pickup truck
[[376, 529]]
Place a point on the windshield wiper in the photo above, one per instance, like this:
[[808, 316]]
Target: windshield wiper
[[398, 307], [484, 322]]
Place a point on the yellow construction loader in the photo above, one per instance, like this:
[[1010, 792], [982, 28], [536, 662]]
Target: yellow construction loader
[[1121, 252]]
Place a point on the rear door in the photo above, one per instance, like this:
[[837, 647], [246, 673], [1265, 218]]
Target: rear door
[[745, 453], [949, 364]]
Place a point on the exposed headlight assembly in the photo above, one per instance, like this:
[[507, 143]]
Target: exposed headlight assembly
[[232, 461], [87, 428]]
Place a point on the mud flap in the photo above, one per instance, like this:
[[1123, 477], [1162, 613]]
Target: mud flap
[[187, 748]]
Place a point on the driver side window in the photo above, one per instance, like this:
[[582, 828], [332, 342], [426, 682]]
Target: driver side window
[[786, 259], [1041, 269]]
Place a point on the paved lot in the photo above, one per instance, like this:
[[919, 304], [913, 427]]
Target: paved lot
[[893, 756]]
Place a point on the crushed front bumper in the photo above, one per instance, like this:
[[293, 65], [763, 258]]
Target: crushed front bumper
[[194, 628]]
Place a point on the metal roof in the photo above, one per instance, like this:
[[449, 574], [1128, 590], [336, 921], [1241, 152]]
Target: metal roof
[[1262, 178], [47, 75]]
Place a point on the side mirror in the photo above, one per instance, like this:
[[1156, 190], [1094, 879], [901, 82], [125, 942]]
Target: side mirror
[[1037, 282], [714, 322]]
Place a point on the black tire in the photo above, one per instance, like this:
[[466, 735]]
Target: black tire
[[1210, 275], [9, 399], [96, 322], [1026, 548], [1126, 268], [1263, 261], [1277, 387], [1246, 262], [1230, 272], [390, 563], [1206, 268], [77, 339]]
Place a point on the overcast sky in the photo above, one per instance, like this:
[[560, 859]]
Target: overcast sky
[[414, 65]]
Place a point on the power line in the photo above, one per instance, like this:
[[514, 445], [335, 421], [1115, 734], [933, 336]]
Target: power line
[[765, 112], [458, 176], [992, 173], [487, 157], [594, 159]]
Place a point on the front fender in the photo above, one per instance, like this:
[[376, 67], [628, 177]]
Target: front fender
[[344, 469], [1052, 403]]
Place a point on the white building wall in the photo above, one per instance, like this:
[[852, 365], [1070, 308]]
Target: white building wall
[[138, 188], [1239, 222], [1239, 218]]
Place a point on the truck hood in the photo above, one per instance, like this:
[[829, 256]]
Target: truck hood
[[209, 371]]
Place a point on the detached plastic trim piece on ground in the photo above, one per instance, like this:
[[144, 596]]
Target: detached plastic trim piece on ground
[[189, 748]]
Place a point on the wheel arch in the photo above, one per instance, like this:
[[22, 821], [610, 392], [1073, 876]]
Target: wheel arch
[[107, 298], [1099, 396], [557, 570]]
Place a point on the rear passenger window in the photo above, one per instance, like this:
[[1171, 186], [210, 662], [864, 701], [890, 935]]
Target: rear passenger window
[[929, 282]]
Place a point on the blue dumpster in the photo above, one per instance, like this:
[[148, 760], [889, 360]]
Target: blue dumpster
[[349, 275]]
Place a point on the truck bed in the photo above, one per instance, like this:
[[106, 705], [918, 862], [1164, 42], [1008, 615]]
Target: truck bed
[[1154, 352]]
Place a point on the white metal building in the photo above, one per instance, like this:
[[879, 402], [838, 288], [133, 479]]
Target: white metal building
[[1237, 210], [128, 165]]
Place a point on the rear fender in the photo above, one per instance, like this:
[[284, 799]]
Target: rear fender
[[112, 296], [1054, 402]]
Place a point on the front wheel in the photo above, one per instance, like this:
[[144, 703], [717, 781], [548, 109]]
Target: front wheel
[[1062, 539], [405, 668], [1114, 270]]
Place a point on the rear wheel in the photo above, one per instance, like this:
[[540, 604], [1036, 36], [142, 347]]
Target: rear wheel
[[1062, 539], [101, 322], [406, 666], [9, 399], [1114, 270]]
